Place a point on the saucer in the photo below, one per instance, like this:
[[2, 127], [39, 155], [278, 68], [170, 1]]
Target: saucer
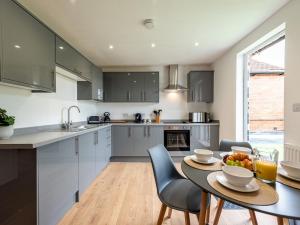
[[210, 161], [283, 173], [251, 187]]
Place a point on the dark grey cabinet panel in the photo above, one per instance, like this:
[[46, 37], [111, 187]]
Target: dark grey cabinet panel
[[28, 49], [116, 87], [86, 149], [131, 87], [135, 140], [122, 141], [204, 136], [57, 180], [70, 59], [91, 90], [200, 86], [151, 90]]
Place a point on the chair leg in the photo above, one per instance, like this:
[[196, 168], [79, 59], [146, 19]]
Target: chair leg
[[208, 211], [253, 217], [219, 210], [203, 208], [187, 218], [279, 220], [169, 213], [161, 214]]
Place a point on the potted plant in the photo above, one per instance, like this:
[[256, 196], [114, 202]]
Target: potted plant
[[6, 125], [157, 115]]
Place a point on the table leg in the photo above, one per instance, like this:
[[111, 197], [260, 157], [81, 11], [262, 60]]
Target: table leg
[[203, 208], [279, 220]]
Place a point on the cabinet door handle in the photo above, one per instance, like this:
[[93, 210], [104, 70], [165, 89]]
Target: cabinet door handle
[[144, 95], [76, 146], [129, 131], [129, 96], [192, 94]]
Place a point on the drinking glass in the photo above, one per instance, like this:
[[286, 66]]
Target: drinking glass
[[266, 166]]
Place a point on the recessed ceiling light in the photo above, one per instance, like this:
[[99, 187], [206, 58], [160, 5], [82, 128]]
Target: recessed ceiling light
[[153, 45], [17, 46], [73, 1], [196, 43], [111, 47], [61, 47]]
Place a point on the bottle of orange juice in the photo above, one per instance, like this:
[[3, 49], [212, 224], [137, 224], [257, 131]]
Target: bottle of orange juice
[[266, 166]]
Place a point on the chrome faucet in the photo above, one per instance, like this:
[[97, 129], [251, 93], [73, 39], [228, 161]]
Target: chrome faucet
[[69, 123]]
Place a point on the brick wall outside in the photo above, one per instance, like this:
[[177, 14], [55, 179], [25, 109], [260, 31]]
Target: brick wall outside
[[266, 102]]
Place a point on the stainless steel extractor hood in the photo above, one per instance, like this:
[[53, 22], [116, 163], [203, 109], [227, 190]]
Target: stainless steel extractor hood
[[173, 80]]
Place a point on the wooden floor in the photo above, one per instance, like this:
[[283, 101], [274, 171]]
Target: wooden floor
[[125, 194]]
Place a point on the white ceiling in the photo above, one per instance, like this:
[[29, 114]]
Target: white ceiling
[[92, 25]]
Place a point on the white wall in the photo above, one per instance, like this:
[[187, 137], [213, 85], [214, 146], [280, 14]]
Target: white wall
[[224, 106], [34, 109], [174, 105]]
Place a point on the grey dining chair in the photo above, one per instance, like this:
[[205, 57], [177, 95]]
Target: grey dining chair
[[294, 222], [174, 191], [225, 146]]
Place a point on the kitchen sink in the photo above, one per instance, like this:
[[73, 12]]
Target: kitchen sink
[[75, 128]]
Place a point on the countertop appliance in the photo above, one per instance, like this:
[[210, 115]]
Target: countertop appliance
[[94, 120], [106, 117], [138, 118], [177, 138], [199, 117]]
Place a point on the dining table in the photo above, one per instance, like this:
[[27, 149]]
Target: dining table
[[287, 206]]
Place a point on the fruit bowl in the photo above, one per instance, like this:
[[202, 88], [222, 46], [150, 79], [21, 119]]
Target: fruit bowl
[[238, 159]]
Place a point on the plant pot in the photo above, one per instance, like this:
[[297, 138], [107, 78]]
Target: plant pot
[[6, 132]]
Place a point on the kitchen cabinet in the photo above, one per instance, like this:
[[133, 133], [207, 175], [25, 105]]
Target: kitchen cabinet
[[28, 49], [151, 89], [91, 90], [103, 149], [122, 141], [200, 86], [87, 152], [135, 140], [69, 58], [131, 87], [204, 136], [57, 180]]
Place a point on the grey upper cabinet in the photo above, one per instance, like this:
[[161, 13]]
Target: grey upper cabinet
[[86, 148], [69, 58], [151, 90], [200, 86], [57, 166], [131, 87], [91, 90], [28, 49]]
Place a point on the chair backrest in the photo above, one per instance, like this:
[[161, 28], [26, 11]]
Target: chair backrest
[[225, 145], [163, 167]]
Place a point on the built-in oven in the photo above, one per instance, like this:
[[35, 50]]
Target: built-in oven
[[177, 138]]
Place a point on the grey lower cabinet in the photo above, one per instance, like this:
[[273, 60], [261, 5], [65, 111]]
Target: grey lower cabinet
[[103, 149], [131, 86], [200, 86], [135, 140], [69, 58], [27, 49], [204, 136], [57, 166], [91, 90]]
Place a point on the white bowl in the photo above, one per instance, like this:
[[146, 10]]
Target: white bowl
[[237, 176], [203, 154], [237, 149], [292, 168]]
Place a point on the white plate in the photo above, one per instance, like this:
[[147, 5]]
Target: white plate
[[210, 161], [251, 187], [283, 173]]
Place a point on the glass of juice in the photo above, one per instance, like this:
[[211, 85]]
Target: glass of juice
[[266, 166]]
